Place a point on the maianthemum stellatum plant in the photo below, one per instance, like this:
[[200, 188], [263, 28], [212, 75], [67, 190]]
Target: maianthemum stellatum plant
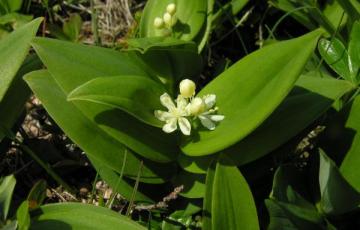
[[139, 116]]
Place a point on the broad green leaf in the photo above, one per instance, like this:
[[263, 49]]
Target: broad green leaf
[[7, 185], [207, 203], [72, 27], [13, 50], [291, 217], [354, 50], [72, 65], [197, 165], [311, 97], [171, 59], [37, 194], [337, 195], [137, 95], [191, 18], [17, 94], [233, 206], [194, 184], [23, 216], [336, 56], [349, 166], [85, 133], [78, 216], [247, 94]]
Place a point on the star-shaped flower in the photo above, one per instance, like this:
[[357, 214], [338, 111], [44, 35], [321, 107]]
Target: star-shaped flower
[[203, 109], [175, 116]]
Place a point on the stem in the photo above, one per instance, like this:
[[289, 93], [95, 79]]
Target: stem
[[135, 189], [94, 187], [45, 166], [94, 23], [113, 195]]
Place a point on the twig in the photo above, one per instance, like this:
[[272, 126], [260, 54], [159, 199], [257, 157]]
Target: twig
[[162, 204]]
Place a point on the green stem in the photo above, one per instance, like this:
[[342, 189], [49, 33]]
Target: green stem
[[94, 187], [45, 166], [113, 195], [136, 186]]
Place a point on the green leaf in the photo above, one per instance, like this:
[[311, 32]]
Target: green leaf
[[15, 19], [81, 129], [72, 65], [7, 185], [354, 50], [137, 95], [171, 59], [72, 27], [237, 5], [17, 94], [291, 217], [194, 184], [248, 99], [37, 194], [349, 166], [311, 97], [336, 56], [13, 50], [207, 203], [197, 165], [78, 216], [233, 206], [23, 216], [337, 195], [191, 18]]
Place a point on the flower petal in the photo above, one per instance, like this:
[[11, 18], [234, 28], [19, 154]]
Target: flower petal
[[170, 126], [162, 115], [216, 118], [166, 101], [206, 122], [209, 100], [184, 125], [181, 102]]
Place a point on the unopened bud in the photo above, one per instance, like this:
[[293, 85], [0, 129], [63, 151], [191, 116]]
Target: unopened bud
[[158, 23], [187, 88], [171, 8], [167, 19], [197, 106]]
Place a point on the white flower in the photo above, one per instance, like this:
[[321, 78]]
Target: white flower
[[207, 118], [187, 88], [158, 23], [196, 106], [171, 8], [175, 116]]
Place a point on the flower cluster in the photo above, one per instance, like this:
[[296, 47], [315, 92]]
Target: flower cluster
[[188, 106], [168, 20]]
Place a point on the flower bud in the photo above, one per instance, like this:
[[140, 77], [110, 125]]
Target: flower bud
[[187, 88], [158, 23], [167, 19], [171, 8], [197, 106]]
